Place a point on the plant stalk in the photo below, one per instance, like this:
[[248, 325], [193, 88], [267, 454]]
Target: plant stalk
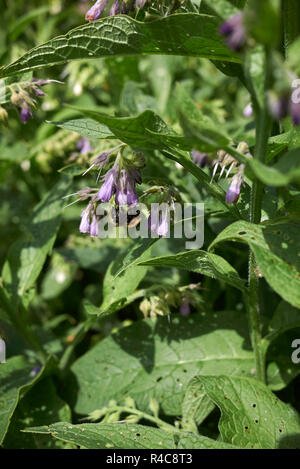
[[263, 129]]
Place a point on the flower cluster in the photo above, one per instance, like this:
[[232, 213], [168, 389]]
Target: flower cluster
[[162, 302], [228, 163], [118, 7], [119, 182], [24, 95]]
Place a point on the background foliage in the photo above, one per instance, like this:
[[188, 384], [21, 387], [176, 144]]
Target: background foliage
[[84, 367]]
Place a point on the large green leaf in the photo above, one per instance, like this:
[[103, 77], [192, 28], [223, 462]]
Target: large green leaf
[[40, 406], [158, 360], [251, 415], [16, 378], [202, 262], [275, 246], [184, 34], [27, 255], [109, 435]]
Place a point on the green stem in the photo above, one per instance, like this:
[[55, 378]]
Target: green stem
[[129, 410], [263, 128]]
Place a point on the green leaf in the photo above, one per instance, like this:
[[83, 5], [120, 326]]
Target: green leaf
[[109, 435], [281, 370], [86, 127], [159, 359], [202, 262], [15, 380], [180, 34], [122, 278], [40, 406], [285, 318], [196, 405], [251, 415], [274, 245], [286, 171], [146, 130], [27, 255], [192, 441]]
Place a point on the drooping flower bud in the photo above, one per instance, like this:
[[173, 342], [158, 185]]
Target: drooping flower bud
[[94, 229], [295, 112], [185, 309], [84, 145], [96, 10], [234, 31], [125, 191], [233, 193], [108, 187], [35, 371], [199, 158], [3, 115], [158, 221], [140, 3], [278, 105], [85, 223], [25, 113], [248, 111], [115, 9]]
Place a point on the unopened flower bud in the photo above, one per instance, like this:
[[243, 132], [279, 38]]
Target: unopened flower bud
[[234, 31], [96, 10], [3, 115]]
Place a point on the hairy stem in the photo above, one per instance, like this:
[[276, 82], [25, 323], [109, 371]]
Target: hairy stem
[[263, 128]]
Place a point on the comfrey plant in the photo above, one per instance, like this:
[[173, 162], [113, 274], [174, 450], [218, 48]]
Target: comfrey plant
[[119, 183], [129, 338]]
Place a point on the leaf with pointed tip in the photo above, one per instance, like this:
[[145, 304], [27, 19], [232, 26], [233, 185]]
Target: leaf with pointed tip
[[108, 435], [201, 262], [181, 34], [251, 415], [87, 128], [15, 380]]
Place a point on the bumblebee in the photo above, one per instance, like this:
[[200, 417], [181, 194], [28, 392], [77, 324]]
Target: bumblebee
[[120, 217]]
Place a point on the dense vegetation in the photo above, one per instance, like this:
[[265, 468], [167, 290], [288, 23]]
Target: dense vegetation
[[116, 342]]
